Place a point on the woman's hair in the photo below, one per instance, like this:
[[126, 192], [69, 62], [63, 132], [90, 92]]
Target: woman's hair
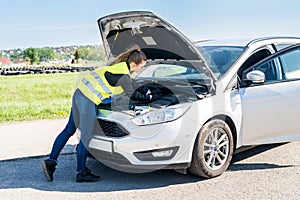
[[137, 57], [134, 54]]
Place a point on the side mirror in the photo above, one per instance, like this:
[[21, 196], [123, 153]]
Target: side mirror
[[256, 76]]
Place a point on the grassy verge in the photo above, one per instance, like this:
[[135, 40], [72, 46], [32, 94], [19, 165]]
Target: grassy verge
[[32, 97]]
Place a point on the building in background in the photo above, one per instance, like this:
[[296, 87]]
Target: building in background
[[4, 61]]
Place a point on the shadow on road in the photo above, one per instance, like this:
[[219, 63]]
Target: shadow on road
[[27, 173], [252, 152]]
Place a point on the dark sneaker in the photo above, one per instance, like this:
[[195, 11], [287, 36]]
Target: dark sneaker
[[87, 176], [49, 167]]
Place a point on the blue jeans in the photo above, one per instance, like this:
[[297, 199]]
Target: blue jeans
[[84, 113], [62, 138], [82, 116]]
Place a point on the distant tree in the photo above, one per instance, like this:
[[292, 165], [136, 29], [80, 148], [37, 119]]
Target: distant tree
[[31, 54], [45, 54], [16, 55], [77, 55], [96, 55], [89, 54], [84, 52]]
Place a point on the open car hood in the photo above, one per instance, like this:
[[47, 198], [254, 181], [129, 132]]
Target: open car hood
[[156, 37]]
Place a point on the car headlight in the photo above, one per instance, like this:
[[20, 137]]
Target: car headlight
[[161, 115]]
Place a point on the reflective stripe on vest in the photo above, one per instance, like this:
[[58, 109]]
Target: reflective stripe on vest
[[95, 87]]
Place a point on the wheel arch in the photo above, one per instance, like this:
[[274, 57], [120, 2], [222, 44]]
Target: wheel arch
[[231, 125]]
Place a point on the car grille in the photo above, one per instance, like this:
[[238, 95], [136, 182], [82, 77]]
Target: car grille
[[111, 129]]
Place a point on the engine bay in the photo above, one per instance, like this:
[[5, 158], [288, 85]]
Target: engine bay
[[168, 93]]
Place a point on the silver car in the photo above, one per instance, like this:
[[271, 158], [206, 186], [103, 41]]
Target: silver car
[[215, 98]]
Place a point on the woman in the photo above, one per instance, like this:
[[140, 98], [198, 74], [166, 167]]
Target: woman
[[100, 85]]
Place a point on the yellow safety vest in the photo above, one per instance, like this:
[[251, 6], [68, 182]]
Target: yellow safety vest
[[95, 86]]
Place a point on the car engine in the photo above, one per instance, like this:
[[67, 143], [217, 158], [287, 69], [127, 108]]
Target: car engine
[[166, 94]]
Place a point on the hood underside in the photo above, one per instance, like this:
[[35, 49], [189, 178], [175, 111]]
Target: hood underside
[[157, 38]]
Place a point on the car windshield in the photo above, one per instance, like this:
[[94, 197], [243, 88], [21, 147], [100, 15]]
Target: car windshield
[[220, 58], [175, 70]]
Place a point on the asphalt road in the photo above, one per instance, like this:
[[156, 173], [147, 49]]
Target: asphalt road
[[264, 172]]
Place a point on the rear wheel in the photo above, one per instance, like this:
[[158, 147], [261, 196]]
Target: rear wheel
[[213, 149]]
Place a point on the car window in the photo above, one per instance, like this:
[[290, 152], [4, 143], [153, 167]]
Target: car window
[[271, 69], [281, 46], [253, 59], [291, 64], [162, 70], [169, 70], [220, 58], [285, 66], [176, 70]]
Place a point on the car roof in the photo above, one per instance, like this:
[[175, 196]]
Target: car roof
[[246, 42]]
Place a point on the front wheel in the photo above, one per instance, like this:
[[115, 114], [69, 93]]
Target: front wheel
[[213, 149]]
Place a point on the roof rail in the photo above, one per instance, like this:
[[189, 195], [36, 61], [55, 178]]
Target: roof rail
[[207, 40], [270, 37]]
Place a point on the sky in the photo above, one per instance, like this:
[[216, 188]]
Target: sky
[[54, 23]]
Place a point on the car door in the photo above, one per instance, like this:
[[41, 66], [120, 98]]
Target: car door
[[271, 109]]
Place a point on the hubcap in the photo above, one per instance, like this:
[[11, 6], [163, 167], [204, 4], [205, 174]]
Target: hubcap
[[216, 148]]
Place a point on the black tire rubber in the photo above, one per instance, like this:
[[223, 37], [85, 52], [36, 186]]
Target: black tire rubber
[[198, 166]]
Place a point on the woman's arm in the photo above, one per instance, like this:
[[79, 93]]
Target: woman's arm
[[126, 83]]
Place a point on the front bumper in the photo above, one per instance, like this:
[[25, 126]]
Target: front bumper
[[166, 145]]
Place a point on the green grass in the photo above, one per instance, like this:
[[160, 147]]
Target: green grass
[[32, 97]]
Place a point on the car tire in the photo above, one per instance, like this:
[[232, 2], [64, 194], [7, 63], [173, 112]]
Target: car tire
[[213, 149]]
